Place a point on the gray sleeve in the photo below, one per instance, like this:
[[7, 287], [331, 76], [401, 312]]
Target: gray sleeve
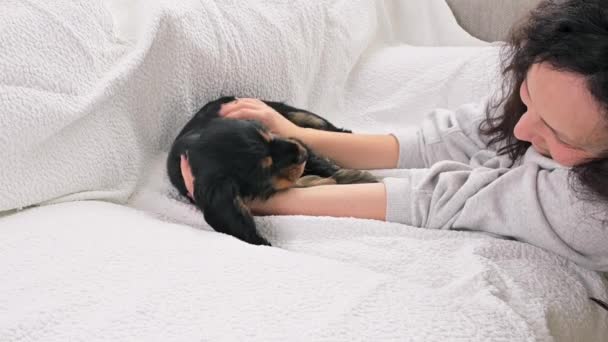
[[443, 135], [527, 203]]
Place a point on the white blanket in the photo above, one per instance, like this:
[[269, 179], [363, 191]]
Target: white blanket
[[94, 271], [88, 99], [91, 97]]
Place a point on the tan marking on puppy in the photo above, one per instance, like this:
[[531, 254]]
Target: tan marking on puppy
[[307, 120], [288, 177], [312, 180], [266, 162], [281, 183]]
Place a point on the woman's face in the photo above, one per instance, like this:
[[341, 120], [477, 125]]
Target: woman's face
[[563, 121]]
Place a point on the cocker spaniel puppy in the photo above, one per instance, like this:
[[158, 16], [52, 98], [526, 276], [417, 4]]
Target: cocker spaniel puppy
[[233, 161]]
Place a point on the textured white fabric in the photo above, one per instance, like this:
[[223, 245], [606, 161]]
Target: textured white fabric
[[83, 110], [89, 97], [93, 271], [90, 93]]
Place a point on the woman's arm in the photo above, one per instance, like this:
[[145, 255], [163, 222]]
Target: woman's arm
[[353, 151], [367, 201], [355, 200]]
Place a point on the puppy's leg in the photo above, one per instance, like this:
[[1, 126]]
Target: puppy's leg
[[312, 180], [324, 168], [342, 176], [308, 119], [319, 166], [225, 211], [349, 176], [304, 118]]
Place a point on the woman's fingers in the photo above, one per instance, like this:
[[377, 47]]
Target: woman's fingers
[[255, 109], [250, 101], [231, 107], [246, 113], [238, 112], [247, 109], [228, 108]]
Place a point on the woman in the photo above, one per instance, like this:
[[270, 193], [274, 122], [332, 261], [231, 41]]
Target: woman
[[531, 165]]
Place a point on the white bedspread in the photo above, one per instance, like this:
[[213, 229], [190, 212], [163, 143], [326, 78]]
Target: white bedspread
[[91, 95]]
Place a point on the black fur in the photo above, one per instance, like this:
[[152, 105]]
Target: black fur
[[236, 160]]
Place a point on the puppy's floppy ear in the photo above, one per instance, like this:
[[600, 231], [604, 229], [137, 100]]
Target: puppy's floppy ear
[[180, 147], [224, 210]]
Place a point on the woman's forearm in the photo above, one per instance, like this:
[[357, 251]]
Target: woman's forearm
[[353, 151], [354, 200]]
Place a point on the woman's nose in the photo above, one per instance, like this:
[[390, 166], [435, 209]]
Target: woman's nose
[[524, 129]]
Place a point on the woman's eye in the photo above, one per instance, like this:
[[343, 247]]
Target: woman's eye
[[567, 145]]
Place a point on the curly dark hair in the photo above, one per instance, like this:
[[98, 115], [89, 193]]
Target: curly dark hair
[[572, 36]]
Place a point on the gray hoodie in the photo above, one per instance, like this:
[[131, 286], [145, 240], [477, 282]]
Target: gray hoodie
[[457, 182]]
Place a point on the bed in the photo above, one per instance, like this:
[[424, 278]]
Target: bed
[[95, 244]]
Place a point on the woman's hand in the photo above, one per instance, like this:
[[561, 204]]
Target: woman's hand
[[255, 109]]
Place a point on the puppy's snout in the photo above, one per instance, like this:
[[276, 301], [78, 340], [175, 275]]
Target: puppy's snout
[[288, 151], [302, 154]]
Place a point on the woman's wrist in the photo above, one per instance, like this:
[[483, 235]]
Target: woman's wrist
[[297, 132], [354, 151]]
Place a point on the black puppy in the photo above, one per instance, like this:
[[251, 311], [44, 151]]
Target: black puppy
[[236, 160]]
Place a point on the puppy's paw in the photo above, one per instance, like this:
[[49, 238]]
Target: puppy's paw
[[349, 176], [311, 180]]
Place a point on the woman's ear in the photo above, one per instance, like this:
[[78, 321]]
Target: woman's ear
[[224, 210]]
